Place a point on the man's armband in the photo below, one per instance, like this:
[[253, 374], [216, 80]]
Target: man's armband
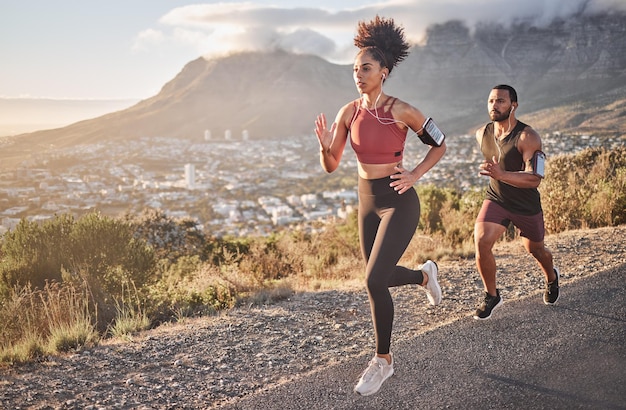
[[431, 134], [538, 163]]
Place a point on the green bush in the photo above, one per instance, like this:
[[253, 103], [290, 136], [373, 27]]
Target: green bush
[[33, 254], [457, 217], [169, 237], [184, 291], [432, 200], [107, 251], [95, 252], [101, 248], [447, 216]]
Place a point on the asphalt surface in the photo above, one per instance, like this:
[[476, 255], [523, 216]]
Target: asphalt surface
[[526, 356]]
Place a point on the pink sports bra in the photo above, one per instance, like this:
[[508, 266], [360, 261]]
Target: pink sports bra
[[376, 141]]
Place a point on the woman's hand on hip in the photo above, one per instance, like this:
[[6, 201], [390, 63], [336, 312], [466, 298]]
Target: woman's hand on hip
[[403, 180]]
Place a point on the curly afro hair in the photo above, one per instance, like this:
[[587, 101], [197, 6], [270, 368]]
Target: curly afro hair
[[384, 41]]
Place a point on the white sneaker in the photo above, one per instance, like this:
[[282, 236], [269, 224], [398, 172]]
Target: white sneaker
[[433, 290], [373, 377]]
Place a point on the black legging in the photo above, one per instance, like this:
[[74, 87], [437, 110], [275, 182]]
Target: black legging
[[387, 223]]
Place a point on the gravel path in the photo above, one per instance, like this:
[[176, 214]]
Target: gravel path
[[208, 362]]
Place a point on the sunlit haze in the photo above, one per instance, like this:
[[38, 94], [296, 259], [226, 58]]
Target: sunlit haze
[[129, 49]]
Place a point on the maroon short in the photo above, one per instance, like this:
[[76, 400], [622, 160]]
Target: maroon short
[[530, 226]]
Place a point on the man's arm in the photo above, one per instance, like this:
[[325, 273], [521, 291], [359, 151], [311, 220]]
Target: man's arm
[[479, 135]]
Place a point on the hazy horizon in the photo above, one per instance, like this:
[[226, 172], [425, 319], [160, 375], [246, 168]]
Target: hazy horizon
[[24, 115]]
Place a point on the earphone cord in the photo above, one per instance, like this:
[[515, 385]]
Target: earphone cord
[[497, 146], [496, 140], [383, 121], [509, 127]]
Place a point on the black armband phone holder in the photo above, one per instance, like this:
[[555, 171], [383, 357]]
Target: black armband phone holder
[[538, 163], [431, 134]]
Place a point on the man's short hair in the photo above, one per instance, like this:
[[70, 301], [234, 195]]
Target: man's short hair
[[511, 90]]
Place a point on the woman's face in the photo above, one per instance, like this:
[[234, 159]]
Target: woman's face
[[368, 74]]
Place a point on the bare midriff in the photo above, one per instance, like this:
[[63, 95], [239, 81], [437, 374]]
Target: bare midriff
[[376, 171]]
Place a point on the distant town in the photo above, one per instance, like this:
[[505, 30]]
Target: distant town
[[231, 185]]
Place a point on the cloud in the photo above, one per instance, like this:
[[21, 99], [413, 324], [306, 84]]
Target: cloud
[[603, 5], [215, 29], [147, 38], [225, 27]]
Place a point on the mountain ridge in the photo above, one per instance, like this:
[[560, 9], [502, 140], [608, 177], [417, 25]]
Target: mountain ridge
[[278, 94]]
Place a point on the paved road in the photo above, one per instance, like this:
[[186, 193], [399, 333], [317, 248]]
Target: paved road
[[527, 356]]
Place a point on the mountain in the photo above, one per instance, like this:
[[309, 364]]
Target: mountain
[[568, 63], [577, 64]]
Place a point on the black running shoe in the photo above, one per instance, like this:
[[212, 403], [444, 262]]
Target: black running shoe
[[488, 306], [551, 294]]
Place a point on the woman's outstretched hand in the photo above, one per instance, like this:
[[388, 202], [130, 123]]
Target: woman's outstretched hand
[[324, 135]]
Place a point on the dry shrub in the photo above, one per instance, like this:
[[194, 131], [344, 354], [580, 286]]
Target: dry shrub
[[68, 336], [302, 261], [267, 261], [47, 321], [203, 291], [314, 260], [270, 295], [19, 314], [586, 190], [446, 224], [131, 316], [458, 217], [27, 348], [67, 311]]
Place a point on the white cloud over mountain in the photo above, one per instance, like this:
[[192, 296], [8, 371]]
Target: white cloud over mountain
[[217, 29]]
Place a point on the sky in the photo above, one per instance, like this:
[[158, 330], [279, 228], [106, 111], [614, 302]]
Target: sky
[[128, 49]]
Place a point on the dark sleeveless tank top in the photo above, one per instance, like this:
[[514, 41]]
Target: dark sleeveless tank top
[[376, 140], [524, 201]]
